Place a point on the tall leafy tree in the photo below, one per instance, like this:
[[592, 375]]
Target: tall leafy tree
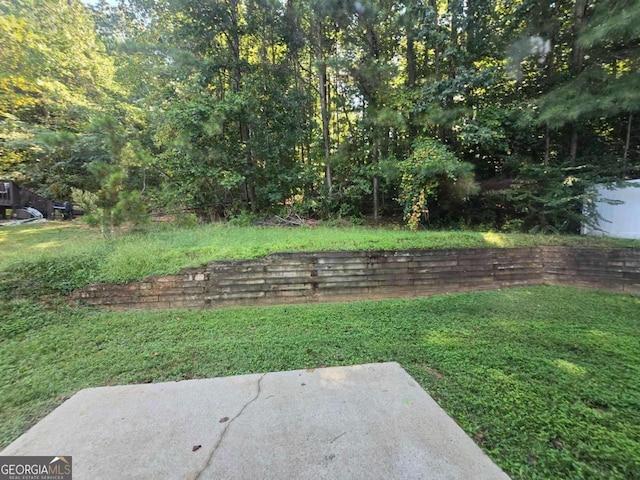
[[55, 77], [327, 106]]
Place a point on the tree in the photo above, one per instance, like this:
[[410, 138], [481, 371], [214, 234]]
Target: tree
[[55, 77], [609, 86], [260, 105]]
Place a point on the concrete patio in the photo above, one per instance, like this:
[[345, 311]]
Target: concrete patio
[[362, 422]]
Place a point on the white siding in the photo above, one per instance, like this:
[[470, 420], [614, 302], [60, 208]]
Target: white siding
[[622, 220]]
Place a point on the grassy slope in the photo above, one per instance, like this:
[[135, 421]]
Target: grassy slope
[[546, 379], [60, 257]]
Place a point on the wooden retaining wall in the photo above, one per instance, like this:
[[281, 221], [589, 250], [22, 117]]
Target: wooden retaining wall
[[616, 270], [343, 276]]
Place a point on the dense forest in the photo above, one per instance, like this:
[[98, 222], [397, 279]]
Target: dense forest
[[456, 113]]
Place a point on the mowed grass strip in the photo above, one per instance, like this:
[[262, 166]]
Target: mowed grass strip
[[59, 257], [545, 379]]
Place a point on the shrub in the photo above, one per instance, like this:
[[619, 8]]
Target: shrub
[[428, 168]]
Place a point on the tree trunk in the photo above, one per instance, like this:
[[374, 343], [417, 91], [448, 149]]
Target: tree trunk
[[324, 110], [547, 144], [374, 55], [625, 155], [376, 182], [454, 6], [577, 64], [436, 48], [411, 59], [376, 206], [234, 45], [245, 134], [579, 20], [574, 145], [411, 75]]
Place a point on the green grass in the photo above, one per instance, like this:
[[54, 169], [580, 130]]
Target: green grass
[[59, 257], [546, 379]]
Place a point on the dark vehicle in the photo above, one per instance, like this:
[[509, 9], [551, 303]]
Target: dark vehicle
[[66, 210]]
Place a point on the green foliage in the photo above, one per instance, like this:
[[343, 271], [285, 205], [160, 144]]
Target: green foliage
[[427, 170], [43, 275], [243, 219], [115, 198], [254, 106], [115, 204], [554, 199], [186, 220], [87, 201], [526, 368], [613, 21], [595, 93], [55, 77]]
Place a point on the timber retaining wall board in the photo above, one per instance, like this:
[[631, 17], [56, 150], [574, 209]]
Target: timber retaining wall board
[[342, 276]]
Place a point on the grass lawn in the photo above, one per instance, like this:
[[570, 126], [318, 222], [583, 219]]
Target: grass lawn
[[546, 379], [58, 257]]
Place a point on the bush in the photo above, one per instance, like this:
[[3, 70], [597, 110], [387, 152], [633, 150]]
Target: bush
[[243, 219], [428, 168], [87, 201]]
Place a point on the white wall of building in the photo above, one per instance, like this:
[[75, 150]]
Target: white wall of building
[[621, 220]]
